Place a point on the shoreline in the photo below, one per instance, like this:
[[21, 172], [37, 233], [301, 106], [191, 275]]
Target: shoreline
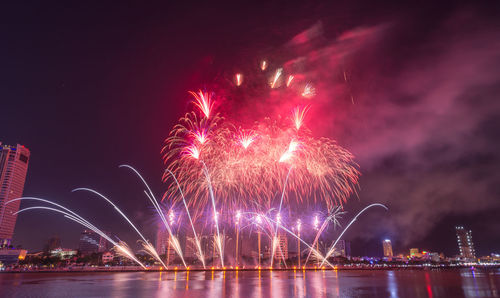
[[339, 268]]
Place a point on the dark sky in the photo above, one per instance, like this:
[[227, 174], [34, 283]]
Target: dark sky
[[89, 86]]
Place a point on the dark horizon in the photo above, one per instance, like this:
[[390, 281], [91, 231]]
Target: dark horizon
[[88, 87]]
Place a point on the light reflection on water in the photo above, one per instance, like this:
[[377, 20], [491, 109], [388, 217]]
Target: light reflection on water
[[320, 283]]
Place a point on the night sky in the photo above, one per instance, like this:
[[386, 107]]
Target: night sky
[[89, 86]]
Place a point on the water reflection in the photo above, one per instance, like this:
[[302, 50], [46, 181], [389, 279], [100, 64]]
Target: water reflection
[[392, 284], [257, 284], [428, 285], [476, 283]]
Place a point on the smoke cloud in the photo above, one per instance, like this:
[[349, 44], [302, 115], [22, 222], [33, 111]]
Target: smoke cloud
[[420, 115]]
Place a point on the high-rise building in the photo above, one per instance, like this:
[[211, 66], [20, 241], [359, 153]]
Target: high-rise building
[[281, 251], [13, 168], [163, 247], [91, 242], [387, 245], [161, 240], [342, 249], [465, 244]]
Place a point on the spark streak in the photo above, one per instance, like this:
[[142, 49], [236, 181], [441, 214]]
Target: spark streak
[[246, 138], [263, 65], [203, 101], [330, 251], [309, 91], [239, 79], [277, 75], [292, 147], [76, 218], [149, 248], [299, 115]]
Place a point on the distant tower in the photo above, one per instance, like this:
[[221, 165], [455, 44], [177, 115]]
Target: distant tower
[[163, 245], [387, 248], [13, 168], [465, 244], [281, 251], [343, 249], [161, 240]]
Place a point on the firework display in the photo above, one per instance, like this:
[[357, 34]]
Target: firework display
[[247, 165], [222, 175]]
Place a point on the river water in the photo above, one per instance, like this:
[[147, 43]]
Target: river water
[[344, 283]]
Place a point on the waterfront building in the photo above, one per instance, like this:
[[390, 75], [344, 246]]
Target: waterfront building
[[415, 253], [63, 253], [91, 242], [387, 245], [465, 244], [13, 168], [431, 256], [107, 257], [10, 256]]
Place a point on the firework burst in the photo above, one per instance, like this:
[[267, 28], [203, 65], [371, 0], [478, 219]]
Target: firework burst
[[247, 167], [203, 101]]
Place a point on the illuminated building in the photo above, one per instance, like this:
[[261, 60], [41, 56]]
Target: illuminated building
[[63, 253], [343, 249], [414, 253], [387, 245], [13, 168], [161, 241], [91, 242], [190, 250], [11, 256], [282, 247], [432, 256], [465, 244], [162, 244]]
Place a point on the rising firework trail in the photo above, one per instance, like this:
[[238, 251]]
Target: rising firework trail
[[218, 239], [174, 241], [298, 238], [146, 244], [198, 243], [332, 248], [279, 212], [333, 216], [77, 218]]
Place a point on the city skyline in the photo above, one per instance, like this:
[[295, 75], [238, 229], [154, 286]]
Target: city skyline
[[250, 149], [79, 138]]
